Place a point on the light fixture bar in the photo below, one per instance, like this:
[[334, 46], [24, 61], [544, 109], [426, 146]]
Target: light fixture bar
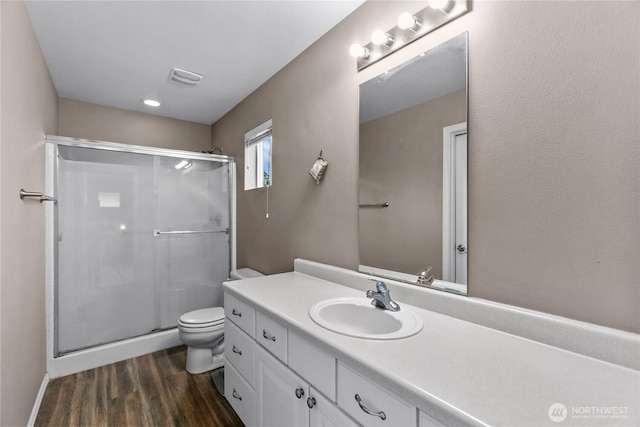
[[425, 21]]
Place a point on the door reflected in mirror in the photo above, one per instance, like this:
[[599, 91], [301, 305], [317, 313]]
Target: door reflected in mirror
[[413, 169], [258, 144]]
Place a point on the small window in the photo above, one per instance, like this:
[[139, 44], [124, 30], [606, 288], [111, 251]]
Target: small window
[[258, 167]]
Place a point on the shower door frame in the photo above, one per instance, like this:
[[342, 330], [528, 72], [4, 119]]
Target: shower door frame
[[122, 349]]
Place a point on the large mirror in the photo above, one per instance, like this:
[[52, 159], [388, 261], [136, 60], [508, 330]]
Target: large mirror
[[413, 170]]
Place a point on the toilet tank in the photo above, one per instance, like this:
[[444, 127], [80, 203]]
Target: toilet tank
[[244, 273]]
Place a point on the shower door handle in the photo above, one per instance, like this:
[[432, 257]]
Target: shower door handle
[[157, 233]]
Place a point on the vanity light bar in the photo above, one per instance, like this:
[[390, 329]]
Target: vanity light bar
[[410, 28]]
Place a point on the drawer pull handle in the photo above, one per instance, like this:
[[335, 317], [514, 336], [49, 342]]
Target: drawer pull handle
[[299, 392], [380, 414], [311, 402], [267, 336], [236, 395], [235, 350], [236, 312]]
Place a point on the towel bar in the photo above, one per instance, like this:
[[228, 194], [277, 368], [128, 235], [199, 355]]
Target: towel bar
[[35, 195]]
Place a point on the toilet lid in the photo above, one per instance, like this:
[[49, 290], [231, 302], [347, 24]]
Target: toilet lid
[[204, 317]]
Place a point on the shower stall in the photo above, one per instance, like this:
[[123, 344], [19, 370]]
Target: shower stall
[[137, 237]]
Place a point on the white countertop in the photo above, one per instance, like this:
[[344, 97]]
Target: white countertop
[[458, 371]]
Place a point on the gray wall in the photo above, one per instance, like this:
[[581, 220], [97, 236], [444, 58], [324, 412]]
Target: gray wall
[[28, 112], [554, 213], [401, 163], [85, 120]]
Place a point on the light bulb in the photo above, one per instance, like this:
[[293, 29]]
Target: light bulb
[[443, 5], [407, 21], [358, 51], [381, 38]]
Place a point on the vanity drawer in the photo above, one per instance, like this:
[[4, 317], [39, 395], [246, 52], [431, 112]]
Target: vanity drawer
[[372, 399], [240, 313], [240, 395], [313, 364], [239, 349], [271, 336]]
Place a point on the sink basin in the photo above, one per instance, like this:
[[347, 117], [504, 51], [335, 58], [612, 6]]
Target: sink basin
[[356, 317]]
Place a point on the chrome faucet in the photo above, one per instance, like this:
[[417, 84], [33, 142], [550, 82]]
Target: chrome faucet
[[381, 297], [425, 278]]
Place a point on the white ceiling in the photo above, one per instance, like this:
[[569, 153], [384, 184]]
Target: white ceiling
[[116, 53]]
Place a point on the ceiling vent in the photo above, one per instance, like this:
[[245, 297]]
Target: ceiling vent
[[185, 77]]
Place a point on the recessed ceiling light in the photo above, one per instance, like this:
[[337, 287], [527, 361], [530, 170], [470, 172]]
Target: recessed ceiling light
[[151, 102]]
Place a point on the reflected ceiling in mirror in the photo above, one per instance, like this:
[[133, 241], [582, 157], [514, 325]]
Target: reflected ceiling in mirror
[[412, 184]]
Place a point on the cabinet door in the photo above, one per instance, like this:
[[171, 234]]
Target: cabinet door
[[323, 413], [281, 396]]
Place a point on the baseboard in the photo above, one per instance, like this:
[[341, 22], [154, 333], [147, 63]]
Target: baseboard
[[36, 404], [111, 353]]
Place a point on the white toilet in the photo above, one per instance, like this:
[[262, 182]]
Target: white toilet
[[202, 331]]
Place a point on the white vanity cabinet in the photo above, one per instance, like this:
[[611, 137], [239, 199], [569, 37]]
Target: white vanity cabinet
[[276, 378]]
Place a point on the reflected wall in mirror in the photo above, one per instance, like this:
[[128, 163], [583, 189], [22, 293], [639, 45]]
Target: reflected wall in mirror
[[413, 169], [258, 144]]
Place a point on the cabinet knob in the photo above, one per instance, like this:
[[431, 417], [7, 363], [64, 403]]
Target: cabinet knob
[[236, 350], [366, 410], [236, 313], [236, 395], [311, 402], [299, 392]]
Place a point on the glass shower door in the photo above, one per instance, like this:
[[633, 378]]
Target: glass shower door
[[140, 242], [191, 234]]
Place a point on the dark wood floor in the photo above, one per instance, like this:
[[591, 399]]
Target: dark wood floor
[[150, 390]]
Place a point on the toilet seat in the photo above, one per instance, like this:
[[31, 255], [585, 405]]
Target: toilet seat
[[204, 318]]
